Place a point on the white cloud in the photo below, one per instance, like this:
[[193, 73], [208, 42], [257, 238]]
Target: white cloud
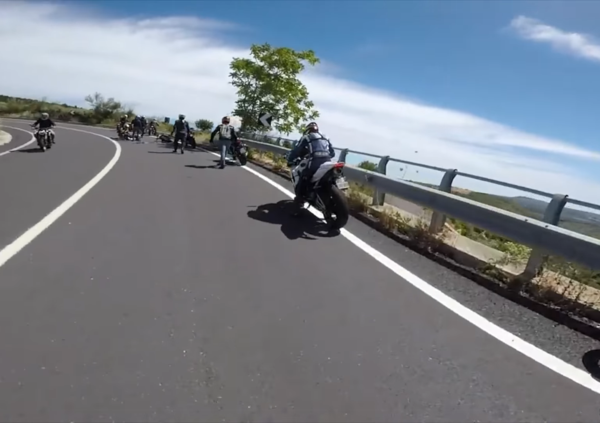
[[172, 65], [573, 43]]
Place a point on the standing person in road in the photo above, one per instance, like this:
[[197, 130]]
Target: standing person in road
[[136, 125], [181, 129], [226, 135], [143, 121]]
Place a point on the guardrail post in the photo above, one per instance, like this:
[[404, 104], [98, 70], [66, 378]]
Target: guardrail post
[[379, 196], [438, 220], [342, 156], [537, 258]]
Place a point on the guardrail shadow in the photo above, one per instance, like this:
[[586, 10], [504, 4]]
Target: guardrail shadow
[[305, 226]]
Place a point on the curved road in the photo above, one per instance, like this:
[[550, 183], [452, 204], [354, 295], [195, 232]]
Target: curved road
[[164, 295]]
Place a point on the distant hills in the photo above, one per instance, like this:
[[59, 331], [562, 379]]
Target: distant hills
[[583, 222]]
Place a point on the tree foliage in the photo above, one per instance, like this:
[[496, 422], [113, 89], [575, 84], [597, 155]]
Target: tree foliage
[[268, 82], [103, 109], [367, 165], [204, 124]]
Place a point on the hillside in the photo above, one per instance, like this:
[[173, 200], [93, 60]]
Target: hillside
[[580, 221]]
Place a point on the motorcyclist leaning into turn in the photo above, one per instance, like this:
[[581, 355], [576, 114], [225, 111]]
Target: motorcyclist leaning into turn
[[227, 134], [44, 122], [319, 150], [181, 129]]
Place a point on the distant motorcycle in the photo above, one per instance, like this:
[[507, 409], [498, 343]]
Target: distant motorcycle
[[239, 152], [191, 140]]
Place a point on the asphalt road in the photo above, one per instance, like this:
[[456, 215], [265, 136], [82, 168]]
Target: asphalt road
[[164, 295]]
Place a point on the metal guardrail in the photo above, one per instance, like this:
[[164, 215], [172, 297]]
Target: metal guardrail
[[544, 237]]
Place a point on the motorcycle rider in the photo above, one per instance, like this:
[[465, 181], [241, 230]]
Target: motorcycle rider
[[181, 129], [319, 150], [143, 121], [226, 136], [122, 123], [136, 125], [44, 122]]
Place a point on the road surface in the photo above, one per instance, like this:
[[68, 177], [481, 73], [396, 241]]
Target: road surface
[[164, 295]]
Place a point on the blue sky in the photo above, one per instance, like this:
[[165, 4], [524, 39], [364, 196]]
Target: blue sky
[[454, 54], [502, 89]]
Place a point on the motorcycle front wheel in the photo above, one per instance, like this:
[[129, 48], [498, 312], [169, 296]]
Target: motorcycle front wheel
[[243, 158]]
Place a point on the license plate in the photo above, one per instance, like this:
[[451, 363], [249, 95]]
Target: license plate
[[243, 150], [341, 183]]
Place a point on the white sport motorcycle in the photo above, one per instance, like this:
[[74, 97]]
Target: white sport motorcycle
[[325, 191]]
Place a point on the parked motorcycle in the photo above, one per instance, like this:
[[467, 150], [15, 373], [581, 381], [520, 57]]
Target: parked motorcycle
[[239, 152], [191, 141], [325, 191]]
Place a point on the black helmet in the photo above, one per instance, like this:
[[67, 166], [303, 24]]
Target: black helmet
[[181, 117], [225, 120]]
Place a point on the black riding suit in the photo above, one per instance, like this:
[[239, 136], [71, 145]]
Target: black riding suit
[[181, 129], [320, 151]]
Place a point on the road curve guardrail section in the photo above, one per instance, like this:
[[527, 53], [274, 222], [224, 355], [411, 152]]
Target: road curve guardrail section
[[544, 237]]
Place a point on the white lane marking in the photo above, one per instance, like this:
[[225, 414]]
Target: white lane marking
[[32, 140], [21, 242], [551, 362]]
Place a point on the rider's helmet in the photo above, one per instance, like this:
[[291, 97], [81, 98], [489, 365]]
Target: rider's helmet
[[141, 117], [225, 120], [125, 116], [181, 117], [45, 116], [311, 127]]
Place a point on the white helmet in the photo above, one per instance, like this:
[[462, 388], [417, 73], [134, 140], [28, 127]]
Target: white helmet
[[45, 116]]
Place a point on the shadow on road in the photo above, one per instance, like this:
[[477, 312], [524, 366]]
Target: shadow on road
[[202, 167], [28, 150], [591, 362], [306, 225]]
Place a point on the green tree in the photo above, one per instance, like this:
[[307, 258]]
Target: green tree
[[204, 124], [103, 109], [268, 82], [367, 165], [287, 144]]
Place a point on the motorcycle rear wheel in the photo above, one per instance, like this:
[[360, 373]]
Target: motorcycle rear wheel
[[338, 206]]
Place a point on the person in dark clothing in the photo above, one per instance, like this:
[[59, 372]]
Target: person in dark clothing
[[318, 148], [44, 122], [136, 125], [143, 122], [227, 134], [181, 129]]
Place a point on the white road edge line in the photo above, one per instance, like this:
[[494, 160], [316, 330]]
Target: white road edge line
[[22, 241], [551, 362], [22, 145]]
